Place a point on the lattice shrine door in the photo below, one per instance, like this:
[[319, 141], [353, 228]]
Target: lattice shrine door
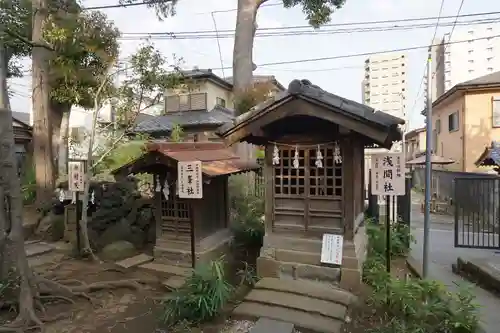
[[307, 198], [176, 216]]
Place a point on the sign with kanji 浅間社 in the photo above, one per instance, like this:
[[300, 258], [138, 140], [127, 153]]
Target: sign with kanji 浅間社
[[76, 176], [387, 174], [190, 181]]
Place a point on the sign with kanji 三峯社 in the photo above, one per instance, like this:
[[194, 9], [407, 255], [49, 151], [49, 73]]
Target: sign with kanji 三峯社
[[76, 176], [387, 174], [189, 178]]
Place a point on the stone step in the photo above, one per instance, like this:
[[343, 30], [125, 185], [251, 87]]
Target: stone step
[[266, 325], [37, 248], [302, 320], [135, 261], [174, 282], [301, 271], [307, 288], [47, 258], [298, 302], [165, 271]]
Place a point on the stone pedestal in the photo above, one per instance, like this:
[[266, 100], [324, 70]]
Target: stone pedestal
[[294, 258], [70, 221]]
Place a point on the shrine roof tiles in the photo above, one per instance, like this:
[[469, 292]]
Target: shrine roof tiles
[[217, 160], [306, 90]]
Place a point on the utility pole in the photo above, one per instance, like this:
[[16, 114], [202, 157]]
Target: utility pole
[[428, 168]]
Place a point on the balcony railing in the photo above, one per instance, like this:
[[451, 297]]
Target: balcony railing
[[186, 102]]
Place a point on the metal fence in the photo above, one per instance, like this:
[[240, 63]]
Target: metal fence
[[477, 212]]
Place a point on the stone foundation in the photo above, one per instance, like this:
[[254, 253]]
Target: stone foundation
[[299, 258], [179, 253], [294, 258]]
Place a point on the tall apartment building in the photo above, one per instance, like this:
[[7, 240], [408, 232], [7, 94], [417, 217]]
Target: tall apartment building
[[437, 85], [385, 83], [471, 54]]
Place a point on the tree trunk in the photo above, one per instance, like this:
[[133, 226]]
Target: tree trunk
[[60, 117], [55, 118], [42, 124], [243, 46], [11, 237]]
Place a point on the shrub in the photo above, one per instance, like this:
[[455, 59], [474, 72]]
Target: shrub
[[28, 185], [247, 211], [202, 297], [413, 305]]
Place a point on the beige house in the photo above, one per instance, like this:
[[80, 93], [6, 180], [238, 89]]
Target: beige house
[[204, 103], [466, 119], [415, 142]]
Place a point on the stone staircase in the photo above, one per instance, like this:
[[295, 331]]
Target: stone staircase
[[309, 306], [173, 275]]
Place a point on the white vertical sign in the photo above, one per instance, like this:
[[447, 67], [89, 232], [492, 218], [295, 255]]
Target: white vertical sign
[[76, 176], [331, 249], [189, 180], [388, 176]]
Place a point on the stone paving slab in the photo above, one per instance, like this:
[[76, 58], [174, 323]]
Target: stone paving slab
[[165, 270], [302, 320], [298, 302], [309, 288], [135, 261], [310, 306], [174, 282], [265, 325], [38, 248]]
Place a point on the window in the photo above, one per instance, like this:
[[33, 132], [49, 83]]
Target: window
[[453, 122], [489, 49], [471, 61], [490, 69], [496, 111], [489, 59], [221, 102], [470, 51], [471, 71], [438, 126]]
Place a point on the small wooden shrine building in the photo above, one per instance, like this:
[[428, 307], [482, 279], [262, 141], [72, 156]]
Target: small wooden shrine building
[[189, 226], [314, 174]]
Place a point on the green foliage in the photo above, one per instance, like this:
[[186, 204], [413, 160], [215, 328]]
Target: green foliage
[[202, 297], [147, 80], [318, 12], [163, 9], [258, 93], [86, 47], [28, 185], [177, 133], [413, 305], [247, 211], [400, 239], [122, 155]]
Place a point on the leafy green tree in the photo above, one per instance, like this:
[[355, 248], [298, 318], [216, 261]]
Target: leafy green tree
[[148, 79], [83, 46]]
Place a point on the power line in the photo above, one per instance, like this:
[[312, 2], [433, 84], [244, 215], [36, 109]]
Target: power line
[[441, 59], [425, 66], [125, 5], [364, 54], [404, 20], [292, 33], [154, 2]]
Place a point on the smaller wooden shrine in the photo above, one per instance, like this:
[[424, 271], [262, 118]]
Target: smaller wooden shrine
[[187, 227]]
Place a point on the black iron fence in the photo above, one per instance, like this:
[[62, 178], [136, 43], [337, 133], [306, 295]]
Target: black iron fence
[[477, 212]]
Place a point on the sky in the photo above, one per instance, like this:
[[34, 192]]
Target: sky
[[340, 76]]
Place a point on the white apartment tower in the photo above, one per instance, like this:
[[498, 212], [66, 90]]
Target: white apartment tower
[[471, 53], [385, 83]]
